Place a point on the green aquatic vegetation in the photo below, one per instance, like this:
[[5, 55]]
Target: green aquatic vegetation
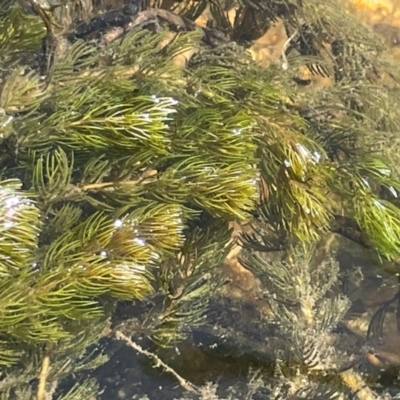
[[121, 169]]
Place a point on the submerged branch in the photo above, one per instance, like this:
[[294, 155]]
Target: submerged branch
[[350, 229], [159, 363], [44, 373], [111, 186]]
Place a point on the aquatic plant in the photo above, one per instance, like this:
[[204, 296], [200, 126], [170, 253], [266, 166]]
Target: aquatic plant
[[131, 140]]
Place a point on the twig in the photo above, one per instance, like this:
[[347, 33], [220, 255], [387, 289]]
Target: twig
[[356, 384], [285, 63], [159, 363], [108, 185], [146, 178], [178, 22], [350, 229], [44, 373]]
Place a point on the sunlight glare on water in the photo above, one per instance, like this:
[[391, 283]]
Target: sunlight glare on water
[[314, 158], [237, 132], [379, 204], [393, 191], [13, 205], [139, 241], [118, 223]]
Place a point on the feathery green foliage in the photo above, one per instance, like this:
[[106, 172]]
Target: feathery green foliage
[[121, 168]]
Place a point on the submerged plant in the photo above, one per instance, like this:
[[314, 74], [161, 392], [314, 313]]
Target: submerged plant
[[129, 142]]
